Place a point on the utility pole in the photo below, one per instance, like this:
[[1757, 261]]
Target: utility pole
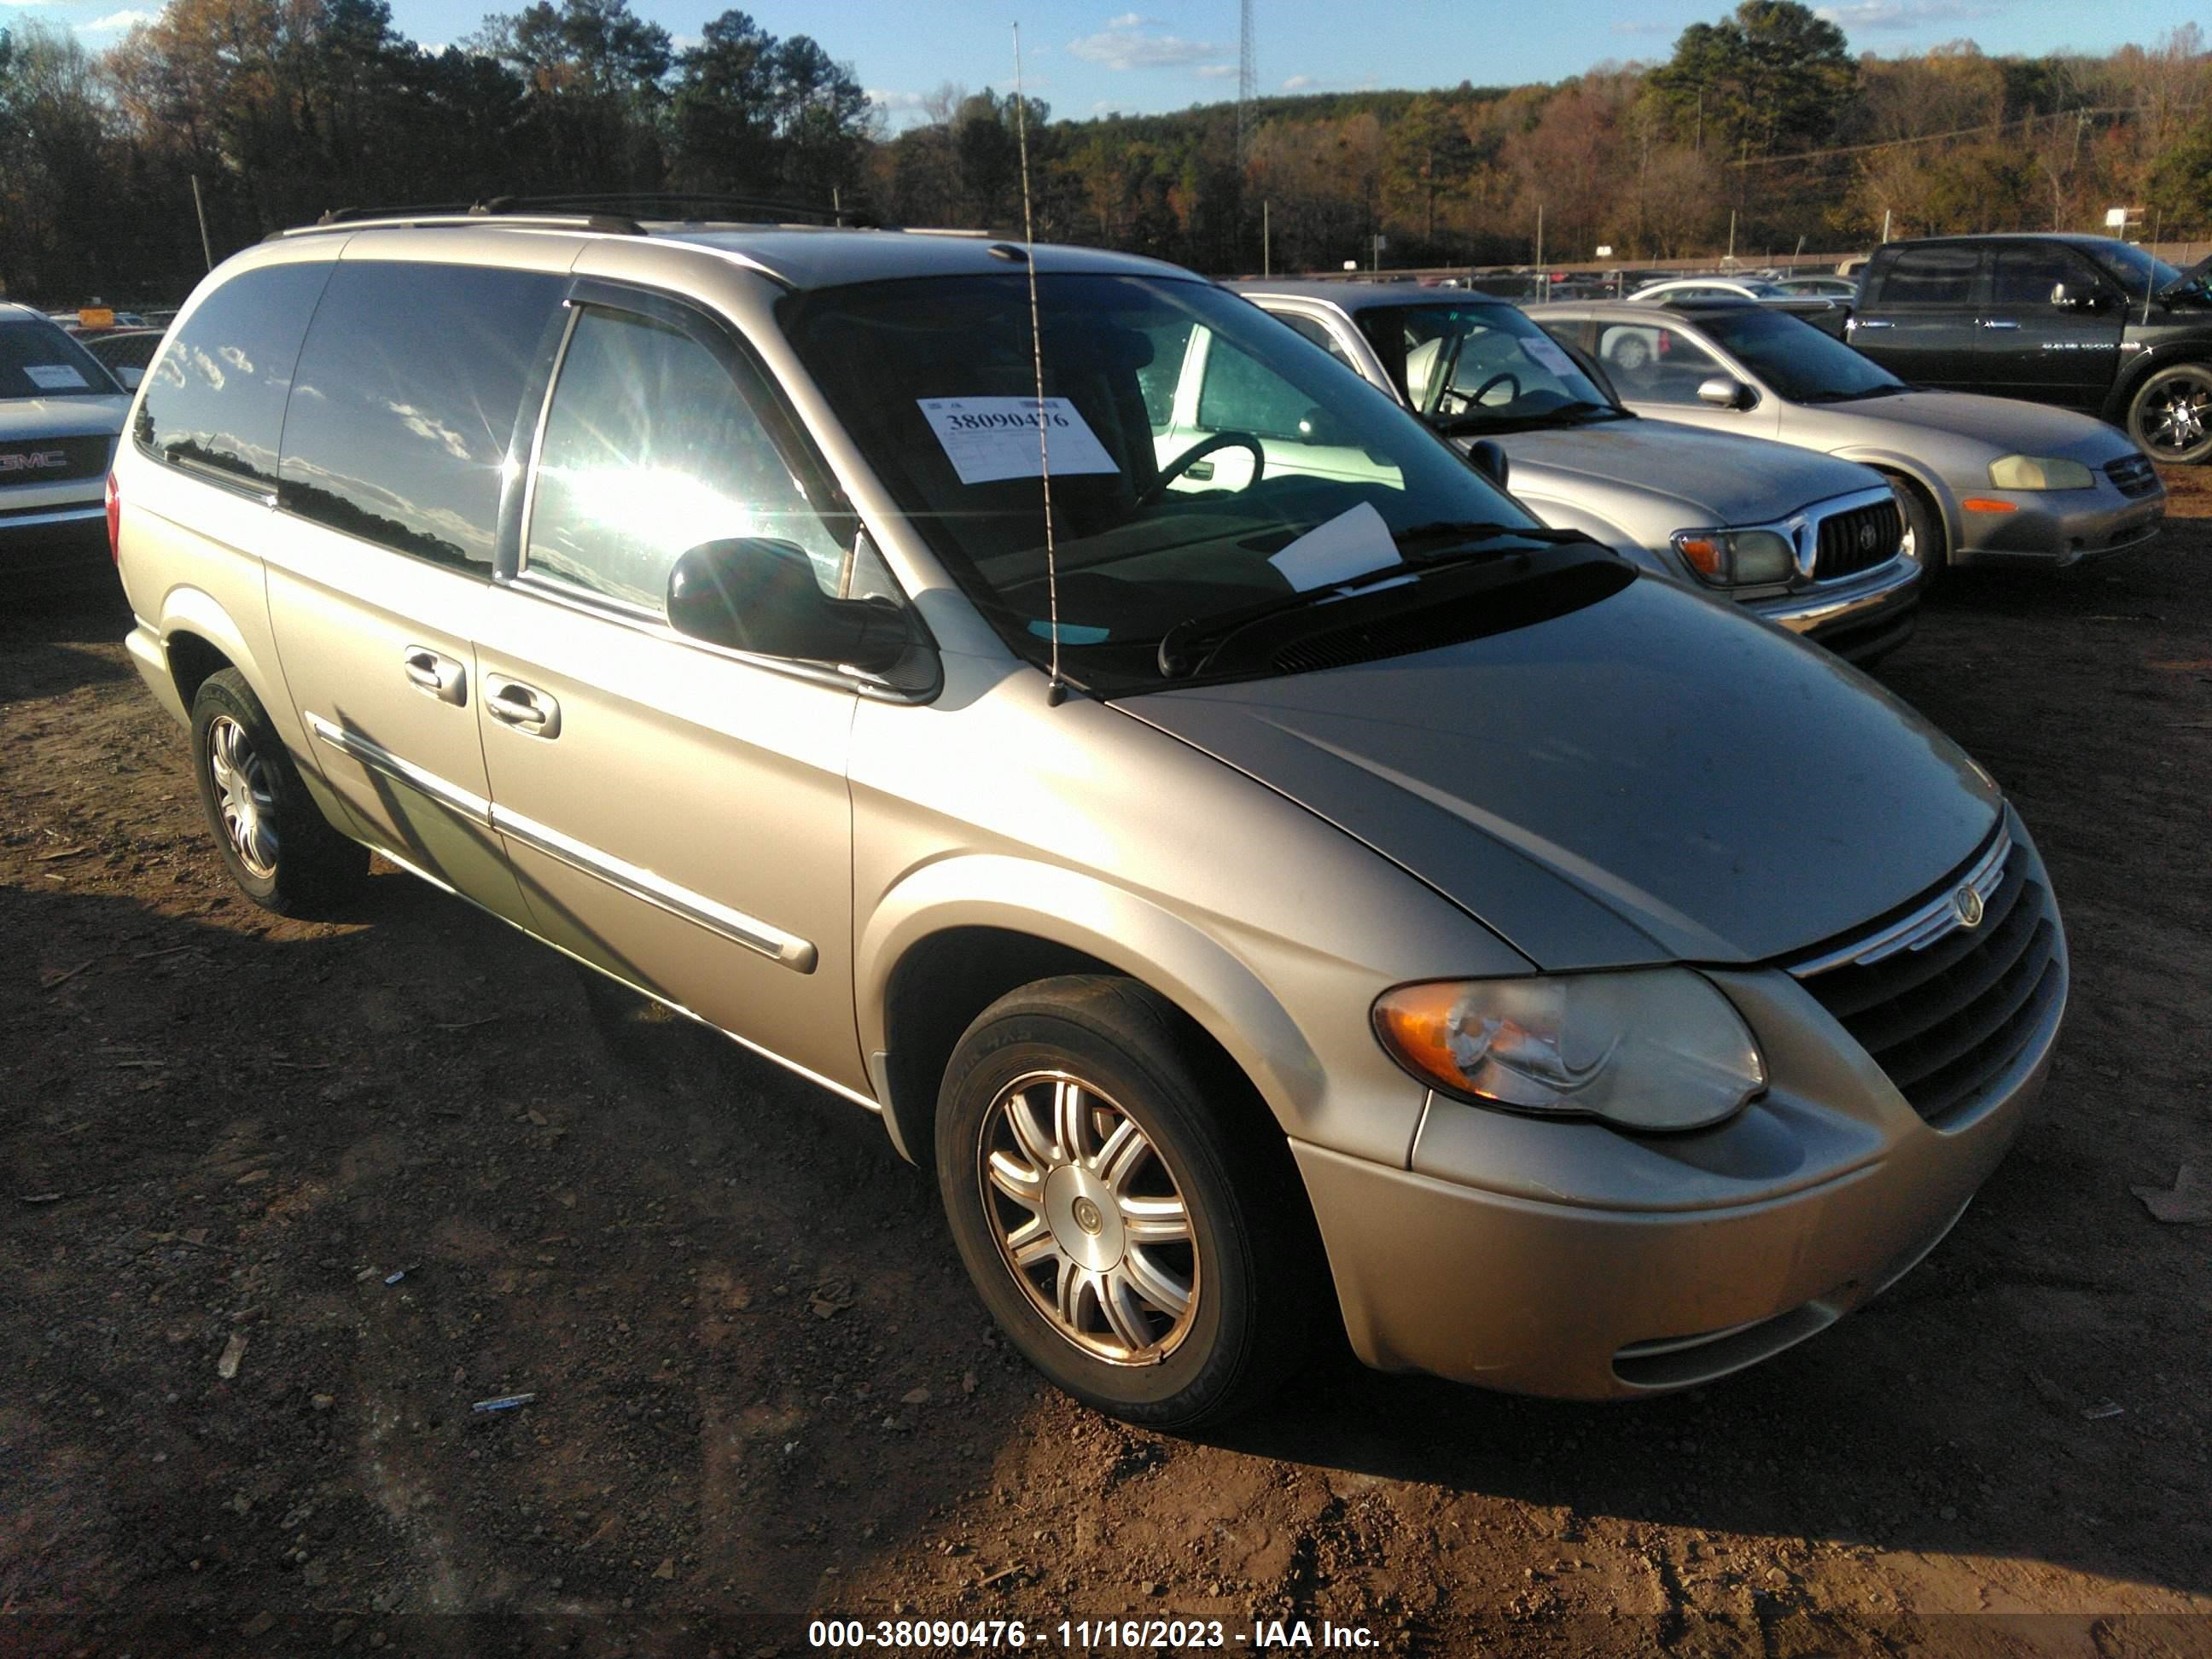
[[1885, 224], [1539, 241], [1731, 253], [1267, 238]]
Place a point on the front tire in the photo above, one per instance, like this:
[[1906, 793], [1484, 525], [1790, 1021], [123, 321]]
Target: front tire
[[1924, 529], [2170, 416], [273, 839], [1126, 1209]]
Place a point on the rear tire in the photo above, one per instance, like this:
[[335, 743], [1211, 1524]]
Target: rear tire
[[1126, 1208], [2170, 416], [274, 839]]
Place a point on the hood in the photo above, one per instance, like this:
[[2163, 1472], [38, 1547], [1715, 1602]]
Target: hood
[[2010, 426], [63, 417], [1707, 479], [1652, 778]]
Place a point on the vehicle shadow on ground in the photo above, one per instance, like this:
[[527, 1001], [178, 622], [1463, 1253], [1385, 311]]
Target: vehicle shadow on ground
[[46, 642]]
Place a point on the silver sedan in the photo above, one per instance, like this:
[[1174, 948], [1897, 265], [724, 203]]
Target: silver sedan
[[1984, 480]]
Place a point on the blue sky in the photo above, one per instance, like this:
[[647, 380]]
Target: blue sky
[[1152, 55]]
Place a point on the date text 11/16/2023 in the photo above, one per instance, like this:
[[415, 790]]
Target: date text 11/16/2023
[[1085, 1635]]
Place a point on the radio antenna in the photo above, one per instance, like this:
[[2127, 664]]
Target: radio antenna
[[1055, 688]]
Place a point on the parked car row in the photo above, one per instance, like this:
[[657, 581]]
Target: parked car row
[[1270, 877], [60, 413]]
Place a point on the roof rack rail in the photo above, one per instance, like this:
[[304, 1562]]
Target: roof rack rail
[[719, 206], [459, 214]]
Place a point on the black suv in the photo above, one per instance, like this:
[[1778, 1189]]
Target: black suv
[[2083, 321]]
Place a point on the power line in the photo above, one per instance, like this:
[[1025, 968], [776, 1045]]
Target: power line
[[1931, 138]]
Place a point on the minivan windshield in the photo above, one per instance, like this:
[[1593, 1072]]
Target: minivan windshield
[[37, 360], [1471, 369], [1206, 463], [1795, 359]]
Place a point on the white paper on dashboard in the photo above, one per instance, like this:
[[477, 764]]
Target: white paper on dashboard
[[987, 439], [1350, 544], [54, 377], [1547, 353]]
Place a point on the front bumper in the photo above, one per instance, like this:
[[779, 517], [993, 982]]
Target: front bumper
[[1859, 617], [70, 539], [2056, 527], [1569, 1260]]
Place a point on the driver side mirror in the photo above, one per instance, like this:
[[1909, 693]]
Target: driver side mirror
[[754, 594], [1725, 391], [1487, 459]]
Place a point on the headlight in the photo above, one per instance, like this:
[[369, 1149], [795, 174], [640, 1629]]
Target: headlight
[[1658, 1049], [1737, 558], [2040, 472]]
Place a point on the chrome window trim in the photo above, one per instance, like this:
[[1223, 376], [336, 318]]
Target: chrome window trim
[[836, 677], [793, 952], [1930, 922]]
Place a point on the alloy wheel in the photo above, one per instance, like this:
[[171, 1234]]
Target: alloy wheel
[[1089, 1219], [2178, 421], [243, 796]]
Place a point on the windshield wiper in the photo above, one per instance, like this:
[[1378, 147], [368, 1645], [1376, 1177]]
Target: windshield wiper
[[1576, 413], [1450, 535], [1889, 391]]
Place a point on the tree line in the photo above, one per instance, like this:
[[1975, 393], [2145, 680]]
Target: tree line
[[1761, 124]]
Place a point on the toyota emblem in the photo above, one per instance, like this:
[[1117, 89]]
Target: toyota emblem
[[1866, 538], [1968, 903]]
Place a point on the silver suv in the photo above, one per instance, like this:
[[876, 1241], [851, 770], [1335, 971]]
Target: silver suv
[[1279, 884]]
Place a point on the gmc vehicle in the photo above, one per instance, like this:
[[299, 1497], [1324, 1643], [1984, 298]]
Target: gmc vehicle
[[2085, 322]]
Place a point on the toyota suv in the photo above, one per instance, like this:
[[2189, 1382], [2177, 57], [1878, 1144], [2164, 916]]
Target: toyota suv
[[1317, 896]]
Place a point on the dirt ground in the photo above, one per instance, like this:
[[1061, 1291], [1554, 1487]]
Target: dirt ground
[[762, 1391]]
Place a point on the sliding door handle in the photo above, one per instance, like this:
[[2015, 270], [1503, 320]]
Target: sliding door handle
[[524, 708]]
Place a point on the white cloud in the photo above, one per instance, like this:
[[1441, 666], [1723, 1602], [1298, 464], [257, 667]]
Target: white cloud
[[897, 103], [1128, 20], [1125, 45], [126, 19], [1217, 71], [1874, 16], [1641, 26], [1300, 83], [688, 42]]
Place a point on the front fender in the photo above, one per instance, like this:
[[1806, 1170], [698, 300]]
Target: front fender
[[1908, 466], [1131, 933], [1568, 515]]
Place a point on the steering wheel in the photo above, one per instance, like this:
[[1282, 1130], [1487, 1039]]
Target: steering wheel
[[1197, 452], [1482, 391]]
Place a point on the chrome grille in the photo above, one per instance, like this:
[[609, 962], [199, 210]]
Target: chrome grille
[[1944, 1012], [2134, 475], [1858, 539]]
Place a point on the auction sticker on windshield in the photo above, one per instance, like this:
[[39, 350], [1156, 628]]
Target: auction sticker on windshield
[[988, 439], [54, 377]]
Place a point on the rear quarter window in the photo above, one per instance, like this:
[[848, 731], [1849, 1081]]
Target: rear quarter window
[[406, 399], [1931, 277], [213, 401]]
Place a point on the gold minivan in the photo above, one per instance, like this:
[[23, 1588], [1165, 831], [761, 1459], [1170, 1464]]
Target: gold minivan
[[1270, 880]]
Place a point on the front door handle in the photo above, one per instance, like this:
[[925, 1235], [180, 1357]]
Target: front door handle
[[437, 675], [1998, 322], [1866, 322], [522, 707]]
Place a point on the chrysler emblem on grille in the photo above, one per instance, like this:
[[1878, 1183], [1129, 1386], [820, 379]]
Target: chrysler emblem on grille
[[1968, 903]]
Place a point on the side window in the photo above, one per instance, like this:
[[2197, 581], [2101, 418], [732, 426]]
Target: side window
[[1318, 332], [1158, 379], [215, 402], [651, 448], [1655, 365], [407, 395], [1242, 394], [2026, 274], [1932, 277]]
